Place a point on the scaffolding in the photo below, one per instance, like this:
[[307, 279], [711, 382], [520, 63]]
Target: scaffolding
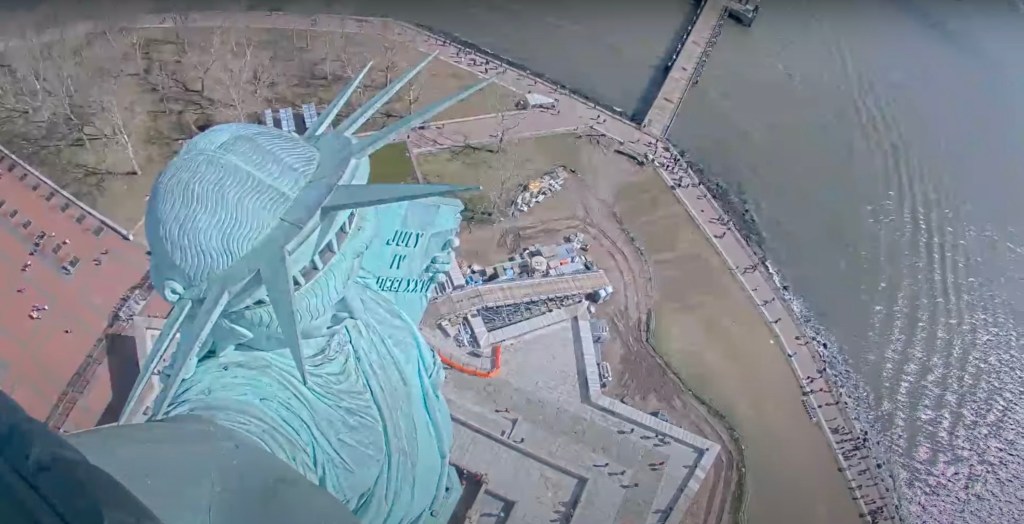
[[464, 336], [497, 317]]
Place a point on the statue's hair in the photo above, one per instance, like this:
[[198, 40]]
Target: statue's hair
[[217, 198]]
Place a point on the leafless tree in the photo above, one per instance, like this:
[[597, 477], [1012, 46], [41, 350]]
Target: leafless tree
[[205, 57], [41, 84], [137, 43], [162, 81], [341, 53], [264, 77], [26, 63], [506, 124], [389, 57], [412, 95], [180, 22], [328, 55], [113, 108], [508, 173], [236, 73]]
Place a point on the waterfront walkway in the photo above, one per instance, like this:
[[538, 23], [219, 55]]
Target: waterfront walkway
[[686, 68]]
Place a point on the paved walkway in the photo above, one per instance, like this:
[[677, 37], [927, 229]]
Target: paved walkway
[[41, 358], [552, 444], [575, 114]]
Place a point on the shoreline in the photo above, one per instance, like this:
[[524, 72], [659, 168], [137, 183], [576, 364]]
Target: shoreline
[[840, 377], [453, 39]]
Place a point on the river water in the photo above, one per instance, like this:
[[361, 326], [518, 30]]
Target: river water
[[880, 143]]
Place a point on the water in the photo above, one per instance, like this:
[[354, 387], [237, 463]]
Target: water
[[881, 144]]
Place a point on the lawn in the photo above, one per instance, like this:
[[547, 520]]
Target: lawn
[[392, 164]]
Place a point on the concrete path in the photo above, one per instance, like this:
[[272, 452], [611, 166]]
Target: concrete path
[[551, 443]]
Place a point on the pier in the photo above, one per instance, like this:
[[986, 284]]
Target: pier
[[686, 68]]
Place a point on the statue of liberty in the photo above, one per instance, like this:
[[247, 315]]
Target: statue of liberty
[[297, 287]]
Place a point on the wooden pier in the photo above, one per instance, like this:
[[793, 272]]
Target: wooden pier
[[686, 67]]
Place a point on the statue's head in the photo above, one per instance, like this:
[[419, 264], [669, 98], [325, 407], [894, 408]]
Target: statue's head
[[215, 201], [256, 232]]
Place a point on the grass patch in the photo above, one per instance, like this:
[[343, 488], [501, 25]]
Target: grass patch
[[392, 164]]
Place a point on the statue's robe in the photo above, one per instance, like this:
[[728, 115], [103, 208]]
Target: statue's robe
[[371, 426]]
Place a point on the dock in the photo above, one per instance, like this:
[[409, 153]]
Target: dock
[[686, 68]]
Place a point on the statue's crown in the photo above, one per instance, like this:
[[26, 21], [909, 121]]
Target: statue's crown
[[271, 192]]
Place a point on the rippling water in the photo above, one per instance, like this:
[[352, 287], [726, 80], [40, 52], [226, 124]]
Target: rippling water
[[880, 144]]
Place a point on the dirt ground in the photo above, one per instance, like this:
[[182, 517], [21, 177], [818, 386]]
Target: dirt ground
[[588, 204], [73, 106]]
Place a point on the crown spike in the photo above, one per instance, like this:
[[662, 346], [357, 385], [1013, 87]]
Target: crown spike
[[367, 145], [325, 118], [366, 195], [278, 282], [354, 121], [170, 329], [192, 340]]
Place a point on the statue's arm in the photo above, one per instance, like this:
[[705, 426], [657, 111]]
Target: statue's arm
[[182, 470], [190, 469]]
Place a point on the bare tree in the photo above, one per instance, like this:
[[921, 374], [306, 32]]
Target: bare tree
[[67, 67], [264, 77], [180, 21], [341, 53], [137, 43], [113, 109], [106, 105], [412, 95], [203, 59], [41, 84], [508, 173], [27, 63], [237, 73], [12, 106], [328, 55], [390, 59], [506, 125]]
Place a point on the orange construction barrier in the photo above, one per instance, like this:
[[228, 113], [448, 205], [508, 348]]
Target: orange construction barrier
[[496, 359]]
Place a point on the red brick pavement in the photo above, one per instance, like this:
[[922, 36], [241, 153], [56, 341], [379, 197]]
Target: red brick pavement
[[37, 357]]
